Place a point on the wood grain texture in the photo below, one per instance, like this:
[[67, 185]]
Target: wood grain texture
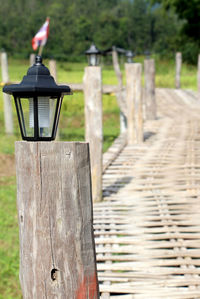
[[93, 126], [7, 101], [134, 102], [178, 70], [149, 89], [57, 255]]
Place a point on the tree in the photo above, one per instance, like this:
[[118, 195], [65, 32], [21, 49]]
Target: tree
[[74, 24], [189, 13]]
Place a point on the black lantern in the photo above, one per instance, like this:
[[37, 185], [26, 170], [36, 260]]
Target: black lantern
[[93, 55], [129, 56], [38, 101]]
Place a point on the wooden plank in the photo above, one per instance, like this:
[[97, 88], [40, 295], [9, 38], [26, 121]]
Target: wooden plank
[[57, 256]]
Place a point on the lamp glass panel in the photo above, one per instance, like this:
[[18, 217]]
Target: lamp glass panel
[[93, 59], [46, 115], [25, 118]]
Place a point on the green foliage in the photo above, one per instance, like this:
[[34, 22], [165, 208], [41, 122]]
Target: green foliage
[[188, 39], [75, 24]]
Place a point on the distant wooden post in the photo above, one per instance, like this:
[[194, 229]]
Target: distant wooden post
[[120, 99], [178, 69], [52, 68], [198, 77], [149, 89], [134, 102], [32, 59], [93, 125], [8, 117], [53, 72], [57, 253]]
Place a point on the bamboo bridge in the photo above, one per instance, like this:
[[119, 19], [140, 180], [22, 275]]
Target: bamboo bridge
[[147, 228]]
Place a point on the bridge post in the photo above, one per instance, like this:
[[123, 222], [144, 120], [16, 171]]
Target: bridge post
[[149, 90], [134, 103], [93, 126], [52, 68], [178, 70], [32, 59], [8, 117], [53, 72], [198, 77], [120, 99], [57, 251]]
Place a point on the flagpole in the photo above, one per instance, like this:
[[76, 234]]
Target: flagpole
[[40, 50]]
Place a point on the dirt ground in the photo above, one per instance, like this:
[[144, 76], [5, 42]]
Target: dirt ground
[[7, 165]]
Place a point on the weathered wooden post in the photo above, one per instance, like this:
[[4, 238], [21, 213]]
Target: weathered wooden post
[[149, 89], [92, 87], [8, 117], [93, 125], [198, 77], [120, 97], [32, 59], [178, 70], [53, 69], [53, 72], [134, 103], [57, 253]]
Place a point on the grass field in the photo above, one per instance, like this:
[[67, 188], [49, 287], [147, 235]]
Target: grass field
[[71, 128]]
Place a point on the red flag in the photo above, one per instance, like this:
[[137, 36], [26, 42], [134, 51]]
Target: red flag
[[41, 36]]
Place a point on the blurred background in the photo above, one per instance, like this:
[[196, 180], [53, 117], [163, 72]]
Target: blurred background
[[161, 26]]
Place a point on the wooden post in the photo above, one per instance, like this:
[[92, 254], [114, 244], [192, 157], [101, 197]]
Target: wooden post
[[178, 70], [198, 77], [93, 125], [32, 59], [57, 253], [120, 99], [52, 68], [53, 72], [149, 90], [134, 102], [8, 117]]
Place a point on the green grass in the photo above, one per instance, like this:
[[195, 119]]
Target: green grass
[[9, 243], [71, 128]]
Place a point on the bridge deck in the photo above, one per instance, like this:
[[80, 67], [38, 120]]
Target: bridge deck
[[147, 229]]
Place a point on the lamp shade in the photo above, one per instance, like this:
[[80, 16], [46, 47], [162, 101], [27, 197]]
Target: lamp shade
[[38, 101]]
